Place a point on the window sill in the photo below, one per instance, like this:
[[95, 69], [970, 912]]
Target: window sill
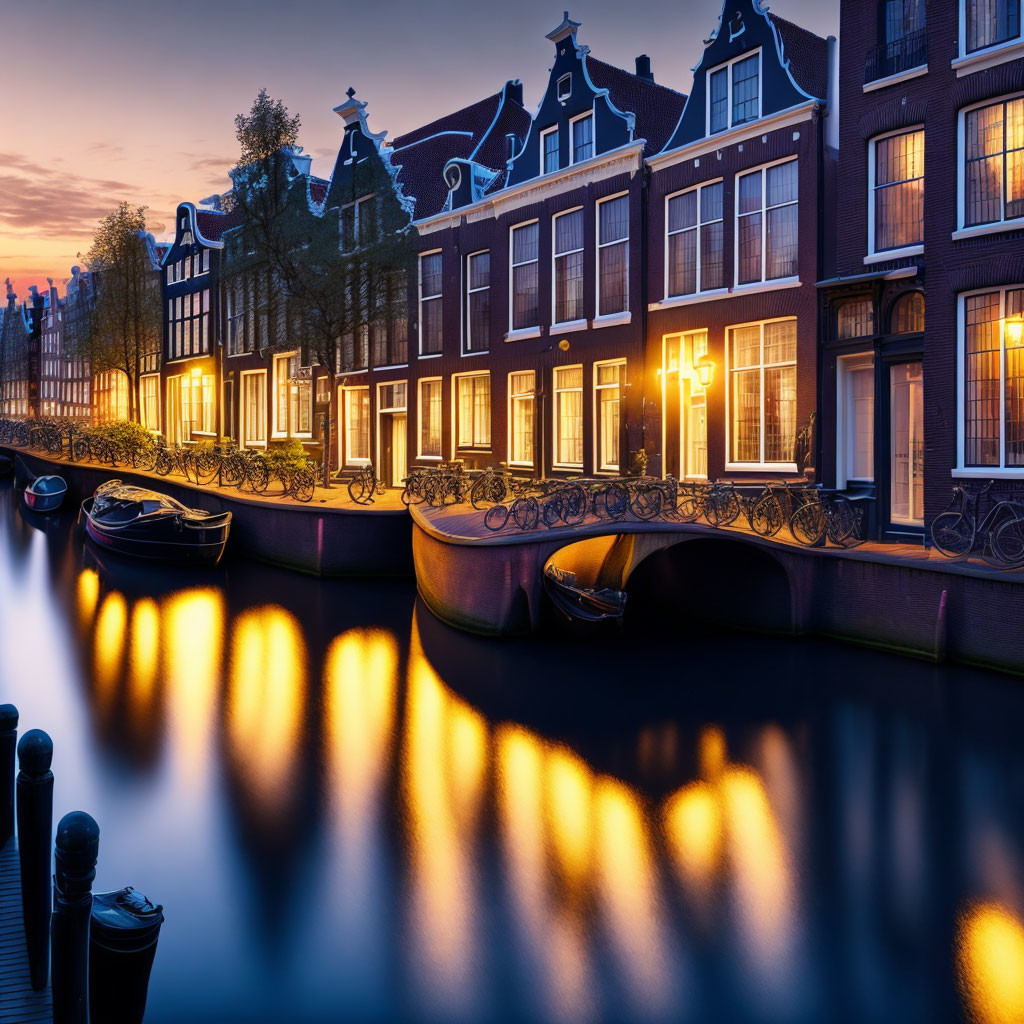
[[988, 473], [760, 467], [523, 334], [428, 458], [980, 230], [988, 58], [613, 319], [559, 467], [756, 287], [204, 433], [688, 300], [479, 352], [520, 465], [397, 366], [350, 373], [894, 254], [902, 76], [429, 355], [568, 326]]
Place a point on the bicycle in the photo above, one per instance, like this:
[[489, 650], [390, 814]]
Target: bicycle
[[827, 515], [364, 486], [299, 483], [956, 531], [721, 504], [489, 488]]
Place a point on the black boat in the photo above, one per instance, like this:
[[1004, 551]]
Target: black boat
[[141, 523], [582, 604]]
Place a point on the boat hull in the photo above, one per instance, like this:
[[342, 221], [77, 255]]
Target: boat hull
[[46, 502]]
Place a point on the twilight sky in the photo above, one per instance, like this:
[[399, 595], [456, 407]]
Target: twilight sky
[[135, 100]]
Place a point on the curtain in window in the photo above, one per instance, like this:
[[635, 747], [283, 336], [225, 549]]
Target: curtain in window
[[782, 226], [583, 139], [981, 379], [430, 417], [682, 244], [608, 393], [613, 255], [749, 206], [569, 267], [763, 386], [990, 22], [521, 389], [431, 303], [569, 415], [357, 422], [474, 426], [899, 191], [479, 302]]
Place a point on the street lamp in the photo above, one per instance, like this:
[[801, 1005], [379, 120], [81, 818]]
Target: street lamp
[[705, 370]]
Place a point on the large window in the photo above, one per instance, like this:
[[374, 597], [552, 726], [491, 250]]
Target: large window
[[908, 314], [856, 319], [191, 408], [429, 408], [188, 325], [897, 191], [762, 392], [549, 151], [613, 256], [389, 332], [608, 380], [766, 224], [473, 410], [293, 390], [521, 390], [150, 388], [990, 21], [582, 138], [478, 302], [993, 173], [357, 424], [254, 408], [856, 417], [695, 240], [569, 417], [568, 256], [734, 94], [993, 379], [431, 306], [525, 301]]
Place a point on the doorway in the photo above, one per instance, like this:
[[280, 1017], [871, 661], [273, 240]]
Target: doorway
[[907, 445], [392, 432], [685, 442]]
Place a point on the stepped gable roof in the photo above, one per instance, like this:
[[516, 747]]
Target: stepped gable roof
[[807, 54], [657, 107]]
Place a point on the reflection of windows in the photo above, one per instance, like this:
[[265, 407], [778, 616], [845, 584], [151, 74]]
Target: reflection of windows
[[992, 370], [430, 304], [357, 424], [856, 319], [473, 410], [525, 258], [908, 314], [897, 191], [695, 261], [582, 138], [568, 255], [549, 151], [766, 222], [608, 379], [429, 408], [990, 21], [613, 256], [993, 163], [478, 301], [734, 93], [569, 416], [762, 392], [521, 387], [293, 410]]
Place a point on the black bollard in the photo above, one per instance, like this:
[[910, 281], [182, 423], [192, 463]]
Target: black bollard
[[8, 741], [78, 840], [35, 831]]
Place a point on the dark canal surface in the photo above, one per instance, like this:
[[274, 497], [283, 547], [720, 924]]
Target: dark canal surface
[[351, 812]]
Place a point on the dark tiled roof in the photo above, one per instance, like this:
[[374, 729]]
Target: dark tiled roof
[[476, 119], [492, 150], [807, 55], [213, 223], [421, 173], [318, 189], [657, 108]]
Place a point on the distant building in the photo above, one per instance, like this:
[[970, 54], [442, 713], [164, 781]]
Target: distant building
[[15, 339]]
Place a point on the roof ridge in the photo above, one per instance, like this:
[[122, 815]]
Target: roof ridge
[[398, 141]]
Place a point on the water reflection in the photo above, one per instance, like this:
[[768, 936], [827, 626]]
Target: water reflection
[[350, 811]]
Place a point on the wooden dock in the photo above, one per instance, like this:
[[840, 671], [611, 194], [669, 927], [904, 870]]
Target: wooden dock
[[18, 1001]]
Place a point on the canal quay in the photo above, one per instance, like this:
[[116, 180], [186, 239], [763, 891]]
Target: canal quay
[[341, 802]]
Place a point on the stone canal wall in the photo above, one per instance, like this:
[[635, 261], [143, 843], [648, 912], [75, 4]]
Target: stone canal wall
[[320, 540]]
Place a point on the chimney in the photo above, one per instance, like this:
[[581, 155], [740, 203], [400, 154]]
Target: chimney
[[643, 68], [510, 145], [514, 91]]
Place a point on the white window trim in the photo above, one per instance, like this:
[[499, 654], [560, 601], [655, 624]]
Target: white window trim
[[510, 421], [347, 458], [987, 57], [844, 366], [572, 136], [700, 224], [467, 335], [381, 411], [564, 325], [242, 443], [354, 205], [763, 170], [455, 446], [596, 410], [1002, 471], [419, 419], [420, 298], [558, 87], [521, 332], [879, 255], [555, 391], [553, 130], [623, 316], [740, 467], [728, 77], [159, 399]]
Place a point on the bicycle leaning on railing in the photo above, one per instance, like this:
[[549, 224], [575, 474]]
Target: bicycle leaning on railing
[[998, 536]]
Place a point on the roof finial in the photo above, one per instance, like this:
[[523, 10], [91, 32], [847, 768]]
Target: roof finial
[[351, 92], [565, 30]]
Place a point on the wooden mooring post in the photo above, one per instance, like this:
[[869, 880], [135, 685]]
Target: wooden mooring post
[[8, 742], [35, 835]]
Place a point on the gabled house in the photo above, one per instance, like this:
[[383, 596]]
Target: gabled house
[[15, 342], [735, 227]]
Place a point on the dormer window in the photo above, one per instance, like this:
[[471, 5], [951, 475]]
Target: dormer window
[[582, 137], [564, 88], [549, 151], [990, 22], [734, 93]]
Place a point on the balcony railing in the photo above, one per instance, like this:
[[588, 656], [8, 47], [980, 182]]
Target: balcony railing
[[895, 57]]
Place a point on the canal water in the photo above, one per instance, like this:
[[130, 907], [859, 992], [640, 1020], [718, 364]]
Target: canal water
[[351, 812]]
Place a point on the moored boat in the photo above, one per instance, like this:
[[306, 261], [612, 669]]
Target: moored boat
[[582, 604], [45, 493], [141, 523]]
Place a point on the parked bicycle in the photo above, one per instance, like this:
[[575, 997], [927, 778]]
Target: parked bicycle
[[998, 536], [827, 515], [364, 486]]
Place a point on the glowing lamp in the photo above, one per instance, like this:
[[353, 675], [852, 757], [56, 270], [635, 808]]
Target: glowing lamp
[[1014, 327], [564, 344], [197, 371], [705, 370]]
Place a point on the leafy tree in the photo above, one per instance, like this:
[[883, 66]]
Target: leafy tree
[[124, 324]]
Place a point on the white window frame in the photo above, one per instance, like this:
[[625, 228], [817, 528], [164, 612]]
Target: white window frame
[[243, 442], [276, 432], [347, 458], [738, 467], [727, 67], [383, 410], [420, 408], [623, 317], [580, 322], [467, 290], [675, 195], [994, 48], [555, 392], [354, 206], [572, 136], [533, 330], [159, 400], [471, 448], [553, 130], [876, 255], [558, 87], [845, 365], [421, 298], [599, 465], [762, 282], [510, 416]]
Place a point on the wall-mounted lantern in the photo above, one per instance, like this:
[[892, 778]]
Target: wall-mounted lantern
[[705, 370]]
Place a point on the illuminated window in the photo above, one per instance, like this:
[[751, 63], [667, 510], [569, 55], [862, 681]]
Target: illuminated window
[[993, 163], [569, 416], [151, 402], [293, 392], [613, 256], [473, 410], [431, 308], [430, 418], [564, 87], [908, 314], [524, 241], [478, 301], [856, 319], [568, 255], [254, 408], [766, 223], [357, 424], [608, 380], [897, 191], [695, 240], [521, 389]]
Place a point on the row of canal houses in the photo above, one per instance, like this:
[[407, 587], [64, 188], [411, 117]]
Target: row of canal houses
[[711, 279]]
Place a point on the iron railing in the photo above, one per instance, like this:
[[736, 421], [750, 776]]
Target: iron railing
[[895, 57]]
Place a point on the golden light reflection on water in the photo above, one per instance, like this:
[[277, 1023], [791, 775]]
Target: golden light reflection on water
[[990, 962], [108, 648], [694, 830], [145, 654], [266, 701], [88, 592]]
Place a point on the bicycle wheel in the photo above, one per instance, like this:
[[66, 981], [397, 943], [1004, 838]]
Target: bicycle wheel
[[574, 505], [258, 474], [1008, 543], [766, 516], [232, 471], [80, 449], [496, 517], [952, 534], [478, 493], [162, 463], [303, 484], [839, 521], [645, 502], [205, 466], [526, 512], [807, 524], [551, 511], [357, 489], [144, 458], [408, 494], [721, 508]]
